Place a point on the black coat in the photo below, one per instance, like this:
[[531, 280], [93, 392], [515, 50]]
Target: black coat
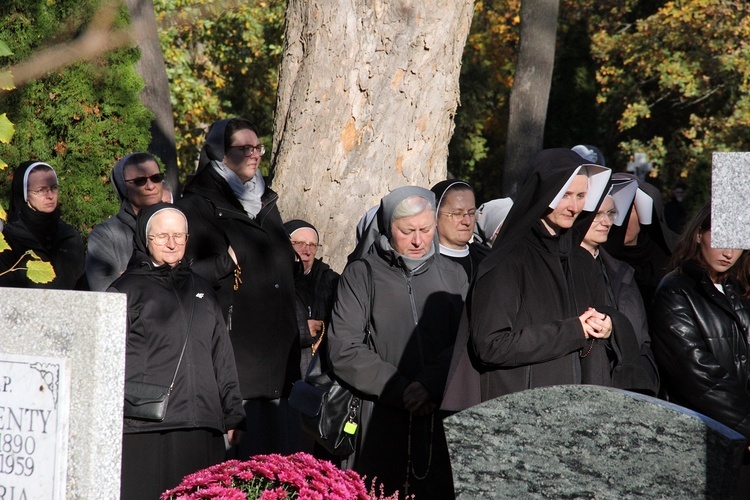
[[700, 340], [161, 301], [520, 328], [260, 313], [316, 293], [65, 251]]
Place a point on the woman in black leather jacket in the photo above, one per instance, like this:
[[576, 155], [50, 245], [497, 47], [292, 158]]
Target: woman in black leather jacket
[[699, 327]]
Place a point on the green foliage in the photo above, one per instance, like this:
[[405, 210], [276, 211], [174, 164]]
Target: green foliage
[[674, 83], [222, 60], [37, 270], [477, 147], [81, 119]]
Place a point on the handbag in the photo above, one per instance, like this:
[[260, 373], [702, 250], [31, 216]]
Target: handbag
[[329, 411], [144, 401]]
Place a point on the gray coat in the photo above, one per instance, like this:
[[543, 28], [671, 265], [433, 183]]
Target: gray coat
[[415, 317], [414, 322], [110, 247]]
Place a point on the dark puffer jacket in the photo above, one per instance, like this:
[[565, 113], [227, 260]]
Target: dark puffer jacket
[[700, 339], [161, 301]]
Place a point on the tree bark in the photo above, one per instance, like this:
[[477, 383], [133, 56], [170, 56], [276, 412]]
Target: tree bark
[[156, 94], [531, 86], [366, 99]]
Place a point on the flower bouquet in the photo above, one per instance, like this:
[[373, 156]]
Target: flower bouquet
[[269, 477]]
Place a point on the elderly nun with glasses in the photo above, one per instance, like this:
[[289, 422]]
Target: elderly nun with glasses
[[239, 245], [176, 338], [35, 225]]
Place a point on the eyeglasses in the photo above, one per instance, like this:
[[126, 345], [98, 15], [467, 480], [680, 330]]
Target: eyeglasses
[[247, 150], [45, 190], [162, 238], [141, 181], [611, 215], [300, 245], [459, 216]]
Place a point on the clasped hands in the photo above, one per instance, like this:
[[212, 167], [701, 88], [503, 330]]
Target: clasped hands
[[417, 400], [596, 324]]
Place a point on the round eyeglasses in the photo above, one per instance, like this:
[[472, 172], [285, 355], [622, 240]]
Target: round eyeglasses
[[44, 191], [162, 238], [459, 216], [611, 215]]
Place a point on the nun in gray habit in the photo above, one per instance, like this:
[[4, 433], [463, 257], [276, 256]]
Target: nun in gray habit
[[417, 300]]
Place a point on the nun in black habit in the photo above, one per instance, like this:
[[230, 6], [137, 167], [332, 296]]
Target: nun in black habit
[[644, 240], [35, 225], [533, 317]]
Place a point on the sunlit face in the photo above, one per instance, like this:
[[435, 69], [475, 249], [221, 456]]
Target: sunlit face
[[305, 242], [633, 229], [718, 260], [567, 210], [41, 191], [412, 236], [147, 194], [599, 230], [235, 159], [167, 222], [455, 231]]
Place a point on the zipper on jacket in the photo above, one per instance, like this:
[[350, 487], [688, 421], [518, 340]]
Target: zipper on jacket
[[411, 299], [229, 319]]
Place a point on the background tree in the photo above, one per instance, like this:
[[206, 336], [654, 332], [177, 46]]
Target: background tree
[[673, 84], [222, 59], [79, 119], [156, 93], [531, 86], [477, 148], [367, 94]]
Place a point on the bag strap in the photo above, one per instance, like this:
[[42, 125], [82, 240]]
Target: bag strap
[[187, 336], [369, 341]]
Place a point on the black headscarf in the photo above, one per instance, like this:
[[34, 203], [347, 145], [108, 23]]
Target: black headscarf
[[141, 253], [248, 193], [441, 188], [656, 230], [42, 225], [295, 224], [552, 170]]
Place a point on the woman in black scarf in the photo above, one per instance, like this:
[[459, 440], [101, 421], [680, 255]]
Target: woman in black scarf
[[239, 245], [35, 225]]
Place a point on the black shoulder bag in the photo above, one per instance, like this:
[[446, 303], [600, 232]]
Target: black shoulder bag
[[144, 401], [330, 412]]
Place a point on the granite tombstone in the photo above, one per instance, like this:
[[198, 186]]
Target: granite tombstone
[[62, 361], [730, 205], [581, 441]]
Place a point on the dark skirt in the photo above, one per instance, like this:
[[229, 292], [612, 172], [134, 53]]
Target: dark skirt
[[153, 462]]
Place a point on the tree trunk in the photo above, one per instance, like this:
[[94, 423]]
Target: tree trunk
[[530, 93], [366, 99], [156, 94]]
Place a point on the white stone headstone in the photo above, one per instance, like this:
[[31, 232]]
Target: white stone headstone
[[62, 367], [730, 200]]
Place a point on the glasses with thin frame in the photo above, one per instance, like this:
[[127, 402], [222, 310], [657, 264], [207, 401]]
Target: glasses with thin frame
[[459, 216], [141, 181], [300, 245], [162, 238], [248, 149], [611, 215], [45, 190]]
